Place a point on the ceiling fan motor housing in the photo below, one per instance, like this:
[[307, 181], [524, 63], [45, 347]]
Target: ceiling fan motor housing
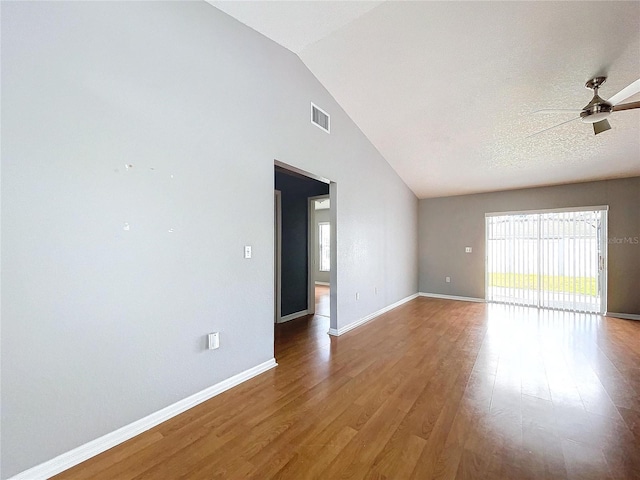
[[597, 109]]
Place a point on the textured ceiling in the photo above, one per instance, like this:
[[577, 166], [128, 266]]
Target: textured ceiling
[[446, 90]]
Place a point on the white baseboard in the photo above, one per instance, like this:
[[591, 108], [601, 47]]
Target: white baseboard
[[357, 323], [452, 297], [84, 452], [626, 316], [293, 316], [323, 283]]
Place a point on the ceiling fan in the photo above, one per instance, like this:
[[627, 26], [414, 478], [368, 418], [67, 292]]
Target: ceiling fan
[[597, 110]]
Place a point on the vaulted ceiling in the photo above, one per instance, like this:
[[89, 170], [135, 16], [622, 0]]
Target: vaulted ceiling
[[446, 90]]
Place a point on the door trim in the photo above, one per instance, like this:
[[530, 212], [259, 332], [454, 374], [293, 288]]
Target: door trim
[[277, 256], [603, 273]]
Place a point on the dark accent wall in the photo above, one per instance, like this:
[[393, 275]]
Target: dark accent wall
[[448, 224], [295, 219]]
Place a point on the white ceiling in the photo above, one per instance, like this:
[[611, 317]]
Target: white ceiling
[[445, 90]]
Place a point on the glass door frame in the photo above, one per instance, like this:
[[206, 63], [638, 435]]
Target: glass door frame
[[602, 247]]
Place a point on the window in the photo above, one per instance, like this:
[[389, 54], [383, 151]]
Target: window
[[324, 230]]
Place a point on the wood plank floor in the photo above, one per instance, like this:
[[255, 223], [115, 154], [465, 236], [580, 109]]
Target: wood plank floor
[[322, 300], [434, 389]]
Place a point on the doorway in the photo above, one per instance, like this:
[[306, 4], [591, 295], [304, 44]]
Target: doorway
[[320, 254], [294, 254], [549, 258]]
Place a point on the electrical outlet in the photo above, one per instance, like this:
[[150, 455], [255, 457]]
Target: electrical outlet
[[447, 279], [467, 249]]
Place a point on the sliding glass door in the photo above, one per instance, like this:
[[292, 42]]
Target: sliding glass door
[[551, 258]]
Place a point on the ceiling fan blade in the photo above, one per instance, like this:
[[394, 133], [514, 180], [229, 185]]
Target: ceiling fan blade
[[626, 106], [625, 93], [558, 110], [541, 131], [601, 126]]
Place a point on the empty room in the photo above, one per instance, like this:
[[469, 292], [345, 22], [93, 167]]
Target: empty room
[[320, 240]]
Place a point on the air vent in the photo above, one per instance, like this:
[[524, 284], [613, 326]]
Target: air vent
[[320, 118]]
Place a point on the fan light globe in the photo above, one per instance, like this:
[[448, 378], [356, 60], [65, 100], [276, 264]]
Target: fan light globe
[[595, 117], [596, 111]]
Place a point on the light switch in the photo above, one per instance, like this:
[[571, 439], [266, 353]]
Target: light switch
[[247, 251], [213, 340]]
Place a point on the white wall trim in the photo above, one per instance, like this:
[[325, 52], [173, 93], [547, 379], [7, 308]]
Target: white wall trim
[[626, 316], [340, 331], [84, 452], [452, 297], [293, 316], [323, 283]]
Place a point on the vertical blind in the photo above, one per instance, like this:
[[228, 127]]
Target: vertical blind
[[551, 259]]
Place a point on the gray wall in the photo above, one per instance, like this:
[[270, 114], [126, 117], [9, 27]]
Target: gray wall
[[101, 325], [447, 225], [320, 216]]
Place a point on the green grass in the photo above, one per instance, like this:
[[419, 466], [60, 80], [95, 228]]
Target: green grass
[[582, 285]]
